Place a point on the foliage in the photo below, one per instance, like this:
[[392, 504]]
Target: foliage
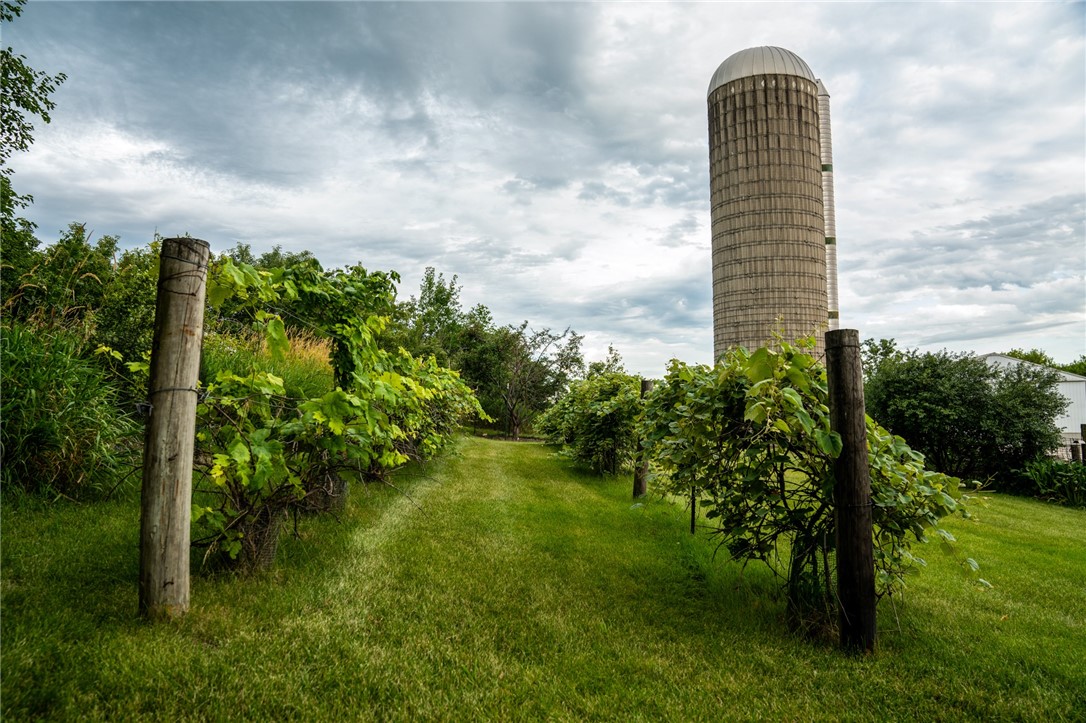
[[268, 450], [752, 436], [1035, 356], [873, 354], [1078, 366], [63, 283], [62, 432], [595, 421], [125, 319], [968, 418], [1056, 480], [534, 368], [430, 324], [1038, 356], [249, 475], [24, 95]]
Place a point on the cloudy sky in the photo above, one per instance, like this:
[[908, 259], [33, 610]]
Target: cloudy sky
[[554, 156]]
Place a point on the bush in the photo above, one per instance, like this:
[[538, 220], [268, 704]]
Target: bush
[[264, 447], [62, 431], [967, 418], [126, 318], [63, 283], [753, 436], [595, 421], [1056, 480]]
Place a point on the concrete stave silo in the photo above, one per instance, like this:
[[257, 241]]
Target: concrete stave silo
[[766, 190]]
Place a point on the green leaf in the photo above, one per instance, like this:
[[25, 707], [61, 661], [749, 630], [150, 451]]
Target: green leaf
[[792, 396], [761, 365], [276, 335], [756, 413], [829, 442], [217, 293], [238, 451]]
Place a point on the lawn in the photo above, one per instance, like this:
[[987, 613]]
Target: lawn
[[505, 584]]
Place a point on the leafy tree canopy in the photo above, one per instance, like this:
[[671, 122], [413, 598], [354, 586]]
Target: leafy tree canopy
[[968, 418], [1078, 366], [1037, 356], [24, 96]]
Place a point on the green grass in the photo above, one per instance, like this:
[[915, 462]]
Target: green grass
[[510, 586]]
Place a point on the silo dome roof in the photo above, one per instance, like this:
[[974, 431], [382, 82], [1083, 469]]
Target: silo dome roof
[[762, 60]]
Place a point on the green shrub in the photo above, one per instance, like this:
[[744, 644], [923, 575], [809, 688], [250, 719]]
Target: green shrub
[[595, 421], [61, 429], [752, 435], [264, 447], [125, 320], [1056, 480], [62, 283], [967, 418]]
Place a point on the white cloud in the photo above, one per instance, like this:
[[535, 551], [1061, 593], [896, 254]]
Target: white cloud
[[555, 156]]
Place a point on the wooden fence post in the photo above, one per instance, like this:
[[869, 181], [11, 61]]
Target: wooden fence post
[[166, 501], [851, 492], [693, 510], [641, 472]]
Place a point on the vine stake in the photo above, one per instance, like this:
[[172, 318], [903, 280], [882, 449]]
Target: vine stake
[[852, 492], [166, 499]]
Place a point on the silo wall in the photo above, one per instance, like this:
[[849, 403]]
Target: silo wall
[[769, 244]]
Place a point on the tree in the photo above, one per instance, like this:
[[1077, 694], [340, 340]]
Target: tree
[[125, 321], [1036, 356], [63, 283], [24, 95], [874, 353], [1078, 366], [610, 365], [968, 418], [429, 324], [534, 367]]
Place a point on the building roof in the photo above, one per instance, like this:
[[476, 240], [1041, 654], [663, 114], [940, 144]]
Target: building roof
[[760, 61], [1004, 360]]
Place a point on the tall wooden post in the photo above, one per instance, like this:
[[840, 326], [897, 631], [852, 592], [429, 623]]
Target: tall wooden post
[[641, 472], [693, 510], [851, 492], [166, 504]]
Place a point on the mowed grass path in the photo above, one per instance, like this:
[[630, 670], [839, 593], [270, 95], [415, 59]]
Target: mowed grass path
[[510, 586]]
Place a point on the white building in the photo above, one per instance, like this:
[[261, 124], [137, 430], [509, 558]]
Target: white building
[[1071, 386]]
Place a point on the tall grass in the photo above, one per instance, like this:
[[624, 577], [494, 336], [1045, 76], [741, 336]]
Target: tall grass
[[306, 368], [507, 585], [62, 431]]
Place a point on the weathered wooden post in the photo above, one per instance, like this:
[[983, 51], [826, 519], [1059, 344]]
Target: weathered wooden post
[[166, 503], [693, 510], [851, 492], [641, 472]]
